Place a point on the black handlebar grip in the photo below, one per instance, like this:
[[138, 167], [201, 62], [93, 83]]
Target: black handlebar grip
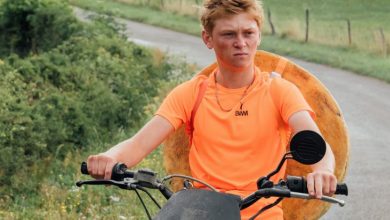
[[119, 171], [84, 168], [342, 189], [299, 184]]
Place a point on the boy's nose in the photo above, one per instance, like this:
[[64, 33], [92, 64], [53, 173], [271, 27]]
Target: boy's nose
[[240, 42]]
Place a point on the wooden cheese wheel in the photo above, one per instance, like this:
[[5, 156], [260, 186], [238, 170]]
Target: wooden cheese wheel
[[329, 120]]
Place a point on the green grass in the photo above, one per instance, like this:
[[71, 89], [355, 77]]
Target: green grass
[[328, 23], [348, 59], [328, 19], [147, 15], [48, 191], [59, 198], [326, 48]]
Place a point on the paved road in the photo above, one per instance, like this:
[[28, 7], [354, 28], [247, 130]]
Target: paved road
[[365, 103]]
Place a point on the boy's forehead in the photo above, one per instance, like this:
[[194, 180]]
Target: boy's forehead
[[234, 21]]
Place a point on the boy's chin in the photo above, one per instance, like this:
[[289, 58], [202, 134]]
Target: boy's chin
[[241, 65]]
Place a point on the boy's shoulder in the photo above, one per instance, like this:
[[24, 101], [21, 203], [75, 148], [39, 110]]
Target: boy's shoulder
[[192, 84]]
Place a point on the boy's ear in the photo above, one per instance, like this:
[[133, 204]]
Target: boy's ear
[[207, 39]]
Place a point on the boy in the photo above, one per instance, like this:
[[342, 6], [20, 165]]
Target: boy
[[229, 150]]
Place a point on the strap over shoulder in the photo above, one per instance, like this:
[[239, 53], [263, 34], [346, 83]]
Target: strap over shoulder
[[281, 66], [279, 69], [190, 123]]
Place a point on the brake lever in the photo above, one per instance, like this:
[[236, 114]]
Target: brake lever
[[120, 184], [323, 198]]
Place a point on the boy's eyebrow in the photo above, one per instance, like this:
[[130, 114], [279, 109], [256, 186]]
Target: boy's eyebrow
[[249, 29], [227, 29]]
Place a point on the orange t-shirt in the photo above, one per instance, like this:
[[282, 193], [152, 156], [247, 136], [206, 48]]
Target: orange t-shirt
[[231, 150]]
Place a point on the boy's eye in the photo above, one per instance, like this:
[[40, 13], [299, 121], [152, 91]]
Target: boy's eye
[[228, 34]]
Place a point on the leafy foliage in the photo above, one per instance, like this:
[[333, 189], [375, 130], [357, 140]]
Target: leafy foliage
[[33, 26], [82, 91]]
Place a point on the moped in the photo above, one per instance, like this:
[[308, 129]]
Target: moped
[[192, 203]]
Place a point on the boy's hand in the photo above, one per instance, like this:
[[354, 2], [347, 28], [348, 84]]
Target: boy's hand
[[100, 166], [321, 182]]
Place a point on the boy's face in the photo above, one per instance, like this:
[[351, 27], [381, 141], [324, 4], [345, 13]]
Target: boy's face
[[234, 40]]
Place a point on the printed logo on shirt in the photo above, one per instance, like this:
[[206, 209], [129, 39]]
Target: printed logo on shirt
[[242, 113]]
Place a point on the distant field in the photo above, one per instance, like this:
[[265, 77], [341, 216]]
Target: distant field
[[289, 41], [328, 20]]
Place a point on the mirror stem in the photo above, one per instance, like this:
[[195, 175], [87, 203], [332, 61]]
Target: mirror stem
[[285, 157]]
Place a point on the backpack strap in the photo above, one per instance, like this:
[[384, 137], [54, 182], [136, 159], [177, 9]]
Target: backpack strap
[[190, 123], [277, 73], [279, 69], [285, 133], [280, 66]]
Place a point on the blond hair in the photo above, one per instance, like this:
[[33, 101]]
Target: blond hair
[[215, 9]]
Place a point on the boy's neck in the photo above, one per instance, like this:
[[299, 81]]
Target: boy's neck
[[236, 78]]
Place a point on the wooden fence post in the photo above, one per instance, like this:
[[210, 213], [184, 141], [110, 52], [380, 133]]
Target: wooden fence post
[[349, 32], [384, 43], [162, 4], [198, 3], [270, 22], [307, 26]]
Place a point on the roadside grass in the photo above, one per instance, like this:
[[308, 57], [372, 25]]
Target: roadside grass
[[142, 14], [348, 59], [60, 198], [328, 19], [365, 62]]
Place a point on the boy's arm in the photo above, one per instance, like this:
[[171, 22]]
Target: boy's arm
[[130, 151], [322, 180]]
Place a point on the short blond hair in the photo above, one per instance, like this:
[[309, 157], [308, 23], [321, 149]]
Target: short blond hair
[[215, 9]]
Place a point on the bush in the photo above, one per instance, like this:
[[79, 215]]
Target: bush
[[80, 92], [34, 26], [85, 89]]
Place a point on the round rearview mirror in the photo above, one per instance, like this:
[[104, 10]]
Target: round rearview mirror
[[307, 147]]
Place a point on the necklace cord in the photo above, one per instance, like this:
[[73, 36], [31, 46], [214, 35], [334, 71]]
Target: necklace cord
[[242, 96]]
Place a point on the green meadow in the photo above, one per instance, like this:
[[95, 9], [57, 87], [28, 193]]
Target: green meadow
[[366, 50]]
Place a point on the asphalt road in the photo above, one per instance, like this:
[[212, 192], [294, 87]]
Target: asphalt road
[[365, 103]]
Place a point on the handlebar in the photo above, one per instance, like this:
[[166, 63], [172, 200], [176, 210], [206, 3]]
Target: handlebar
[[127, 179], [299, 184], [293, 186], [283, 193]]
